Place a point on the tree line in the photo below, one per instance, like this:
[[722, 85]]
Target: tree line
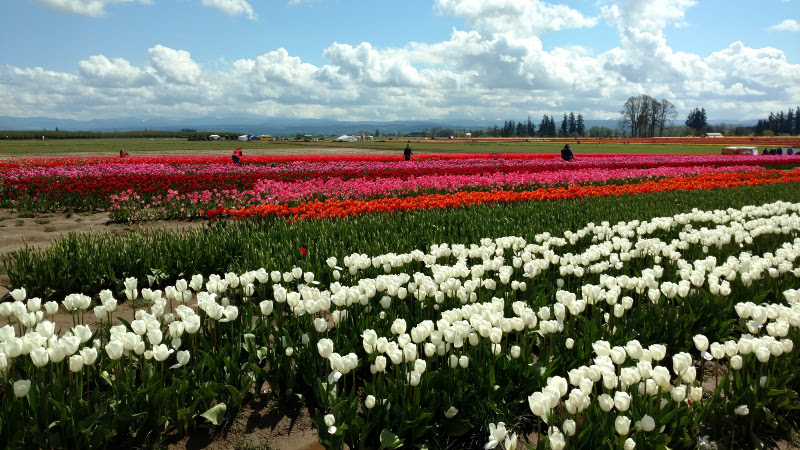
[[780, 123], [571, 125]]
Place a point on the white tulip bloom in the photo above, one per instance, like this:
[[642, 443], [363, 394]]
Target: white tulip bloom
[[21, 388]]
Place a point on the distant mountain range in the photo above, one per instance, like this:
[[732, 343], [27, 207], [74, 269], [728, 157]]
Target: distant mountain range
[[274, 126]]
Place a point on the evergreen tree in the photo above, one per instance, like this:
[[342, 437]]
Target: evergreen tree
[[697, 119], [544, 126], [529, 129], [572, 126], [564, 125], [580, 127]]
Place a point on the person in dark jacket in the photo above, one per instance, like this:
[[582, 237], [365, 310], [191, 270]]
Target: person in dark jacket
[[407, 153], [566, 153]]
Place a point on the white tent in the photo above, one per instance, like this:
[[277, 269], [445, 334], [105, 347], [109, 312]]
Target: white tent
[[346, 138], [243, 137]]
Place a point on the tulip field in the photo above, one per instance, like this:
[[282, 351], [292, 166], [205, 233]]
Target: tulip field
[[452, 301]]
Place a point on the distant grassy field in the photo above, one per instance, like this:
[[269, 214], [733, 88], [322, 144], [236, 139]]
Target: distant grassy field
[[111, 147]]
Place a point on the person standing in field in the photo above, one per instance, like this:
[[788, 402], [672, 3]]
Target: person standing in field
[[407, 152], [123, 153], [237, 156]]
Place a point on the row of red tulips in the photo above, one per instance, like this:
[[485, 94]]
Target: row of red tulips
[[343, 208]]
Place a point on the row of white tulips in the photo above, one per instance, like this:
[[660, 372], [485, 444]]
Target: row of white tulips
[[156, 333]]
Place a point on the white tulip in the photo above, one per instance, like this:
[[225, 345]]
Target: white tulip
[[622, 425], [21, 388], [114, 349]]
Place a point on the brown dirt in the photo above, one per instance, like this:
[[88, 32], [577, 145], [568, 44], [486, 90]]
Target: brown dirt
[[260, 423], [39, 230]]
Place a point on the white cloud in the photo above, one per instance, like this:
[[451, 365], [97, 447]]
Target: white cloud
[[763, 68], [173, 66], [367, 65], [650, 15], [90, 8], [521, 17], [233, 7], [786, 25], [100, 71]]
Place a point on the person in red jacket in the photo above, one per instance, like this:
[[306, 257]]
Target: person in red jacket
[[237, 157]]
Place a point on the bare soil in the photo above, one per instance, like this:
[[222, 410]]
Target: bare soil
[[261, 424]]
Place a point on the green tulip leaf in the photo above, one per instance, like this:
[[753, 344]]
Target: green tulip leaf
[[390, 440], [215, 414]]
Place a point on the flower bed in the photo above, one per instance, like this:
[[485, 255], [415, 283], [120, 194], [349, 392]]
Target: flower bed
[[448, 302]]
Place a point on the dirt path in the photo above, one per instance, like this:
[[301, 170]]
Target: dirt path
[[38, 230]]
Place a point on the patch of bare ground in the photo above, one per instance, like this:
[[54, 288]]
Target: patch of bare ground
[[20, 229], [262, 423]]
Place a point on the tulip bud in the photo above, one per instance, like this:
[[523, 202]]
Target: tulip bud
[[622, 400], [606, 402], [647, 424], [183, 357], [18, 294], [325, 347], [114, 350], [39, 357], [75, 363], [569, 427], [701, 342], [622, 425], [89, 355], [21, 388], [679, 393]]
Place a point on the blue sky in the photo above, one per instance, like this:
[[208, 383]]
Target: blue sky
[[382, 60]]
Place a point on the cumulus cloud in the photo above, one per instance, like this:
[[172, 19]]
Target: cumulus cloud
[[786, 25], [649, 15], [100, 71], [521, 17], [233, 7], [89, 8], [173, 66], [368, 65]]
